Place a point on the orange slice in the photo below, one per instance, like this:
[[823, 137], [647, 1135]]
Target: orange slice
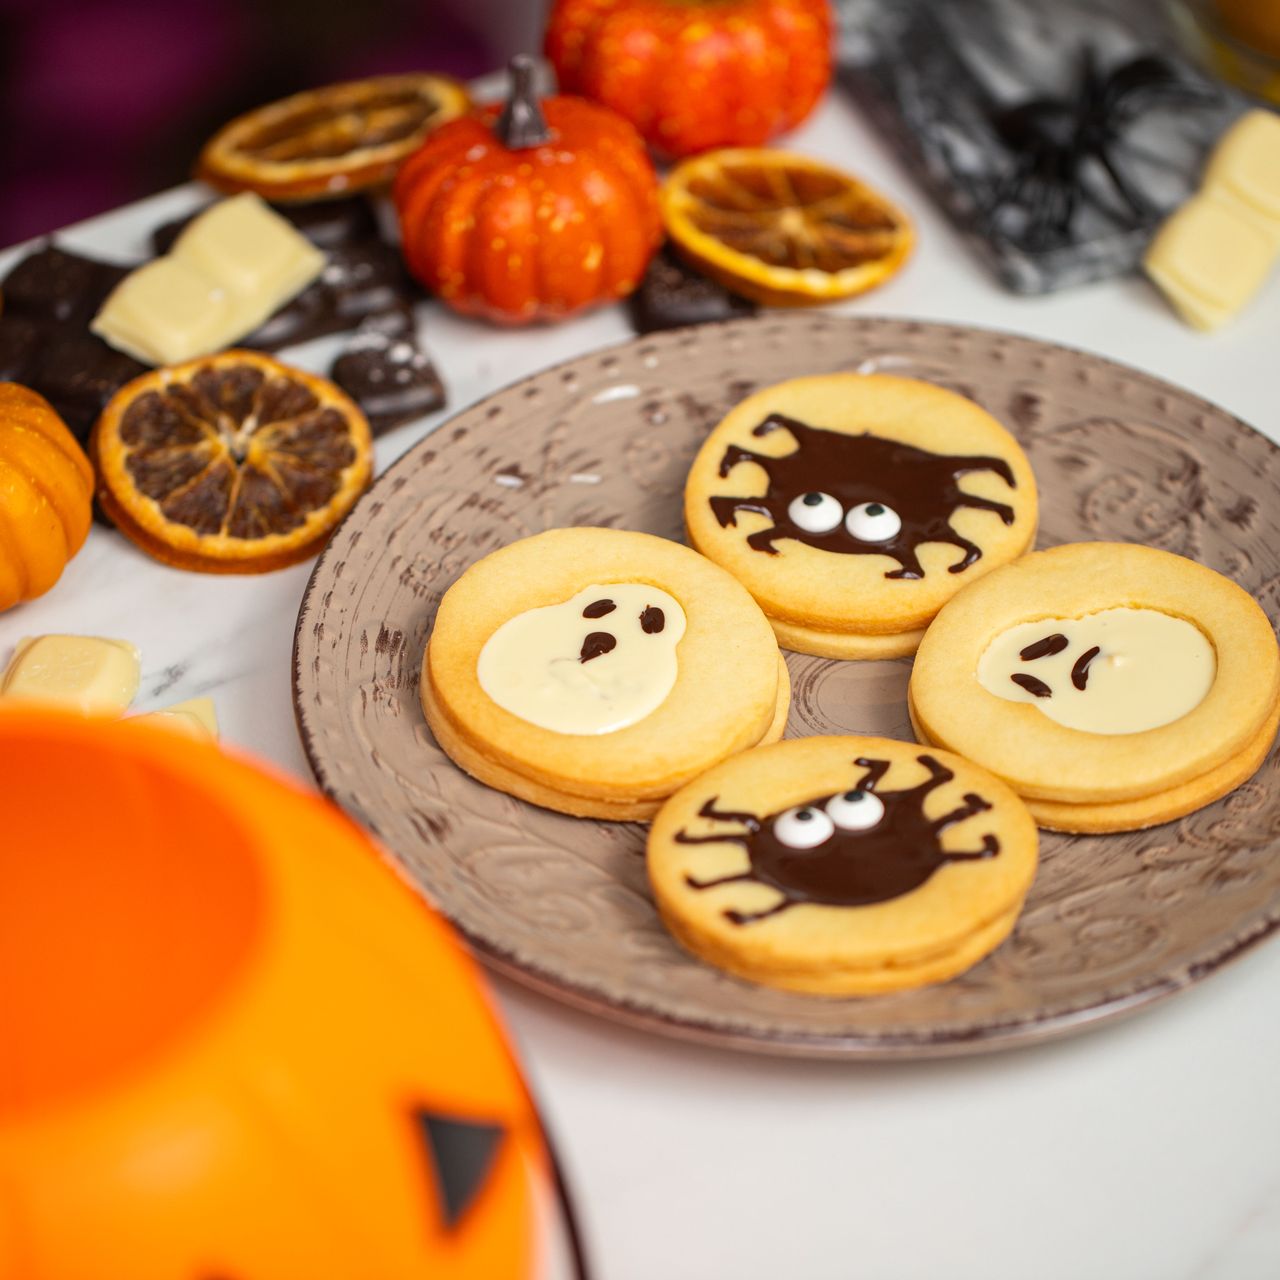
[[233, 463], [782, 229], [330, 141]]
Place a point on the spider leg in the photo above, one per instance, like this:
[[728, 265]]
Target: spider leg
[[730, 837], [750, 917], [985, 504], [711, 884], [908, 564], [762, 539], [780, 422], [709, 810], [735, 454], [875, 770], [938, 774], [972, 804], [979, 462], [725, 508], [990, 847], [972, 552]]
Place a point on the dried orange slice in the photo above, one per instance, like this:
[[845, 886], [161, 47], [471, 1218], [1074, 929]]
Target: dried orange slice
[[330, 141], [782, 229], [234, 463]]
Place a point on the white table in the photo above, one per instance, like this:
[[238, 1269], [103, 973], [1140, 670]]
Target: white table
[[1150, 1148]]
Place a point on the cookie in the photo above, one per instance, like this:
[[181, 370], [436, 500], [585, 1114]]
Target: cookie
[[854, 506], [1114, 686], [595, 671], [842, 866]]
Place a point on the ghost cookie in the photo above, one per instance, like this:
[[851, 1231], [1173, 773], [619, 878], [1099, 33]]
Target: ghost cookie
[[595, 671], [853, 506], [1113, 686], [842, 866]]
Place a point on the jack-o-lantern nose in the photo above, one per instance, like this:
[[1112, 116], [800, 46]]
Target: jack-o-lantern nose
[[462, 1153]]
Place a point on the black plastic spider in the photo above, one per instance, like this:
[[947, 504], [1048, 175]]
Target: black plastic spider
[[1053, 138]]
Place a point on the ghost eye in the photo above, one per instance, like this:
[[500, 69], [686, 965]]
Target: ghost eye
[[803, 828], [855, 810], [873, 522], [816, 513]]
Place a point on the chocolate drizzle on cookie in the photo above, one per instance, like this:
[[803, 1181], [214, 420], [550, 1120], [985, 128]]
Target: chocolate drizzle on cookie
[[596, 645], [855, 473], [1032, 684], [1045, 648], [652, 620], [1080, 671], [599, 608], [827, 852]]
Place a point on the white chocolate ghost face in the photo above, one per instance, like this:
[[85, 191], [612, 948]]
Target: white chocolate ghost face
[[596, 663], [1117, 671]]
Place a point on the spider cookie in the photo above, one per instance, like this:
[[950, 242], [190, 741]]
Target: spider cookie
[[1113, 686], [853, 506], [595, 671], [842, 866]]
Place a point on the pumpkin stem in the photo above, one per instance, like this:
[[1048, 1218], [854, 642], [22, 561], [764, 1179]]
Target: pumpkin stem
[[522, 123]]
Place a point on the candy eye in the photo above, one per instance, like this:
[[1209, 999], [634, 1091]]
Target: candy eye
[[855, 810], [816, 513], [802, 828], [873, 522]]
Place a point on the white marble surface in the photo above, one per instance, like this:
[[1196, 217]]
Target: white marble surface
[[1148, 1149]]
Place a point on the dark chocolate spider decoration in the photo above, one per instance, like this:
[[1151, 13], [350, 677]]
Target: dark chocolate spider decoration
[[860, 495], [1054, 138], [850, 849]]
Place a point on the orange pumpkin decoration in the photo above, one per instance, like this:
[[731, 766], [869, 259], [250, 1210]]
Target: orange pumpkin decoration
[[695, 74], [236, 1046], [531, 212], [46, 495]]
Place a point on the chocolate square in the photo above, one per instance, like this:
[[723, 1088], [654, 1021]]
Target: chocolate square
[[673, 294]]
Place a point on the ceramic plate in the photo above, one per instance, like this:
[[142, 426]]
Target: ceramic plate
[[1113, 923]]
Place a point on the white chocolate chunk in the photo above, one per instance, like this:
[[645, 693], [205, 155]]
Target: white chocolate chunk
[[1246, 165], [195, 717], [88, 674], [167, 311], [1209, 258], [230, 269], [250, 250]]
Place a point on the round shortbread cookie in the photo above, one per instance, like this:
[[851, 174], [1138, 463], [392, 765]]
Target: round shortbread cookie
[[859, 503], [717, 655], [847, 646], [1147, 811], [842, 864], [463, 752], [1071, 591]]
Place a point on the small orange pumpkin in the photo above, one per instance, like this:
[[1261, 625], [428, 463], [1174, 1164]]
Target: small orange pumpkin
[[46, 495], [695, 74], [531, 212], [235, 1045]]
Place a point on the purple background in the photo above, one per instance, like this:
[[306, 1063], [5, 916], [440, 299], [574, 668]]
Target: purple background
[[104, 101]]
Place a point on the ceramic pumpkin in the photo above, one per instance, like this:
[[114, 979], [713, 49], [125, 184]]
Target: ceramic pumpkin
[[532, 211], [46, 494], [695, 74], [236, 1046]]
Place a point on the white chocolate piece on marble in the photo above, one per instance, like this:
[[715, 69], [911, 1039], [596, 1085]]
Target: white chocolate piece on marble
[[1150, 669], [195, 717], [88, 674], [533, 665], [1209, 258], [232, 267]]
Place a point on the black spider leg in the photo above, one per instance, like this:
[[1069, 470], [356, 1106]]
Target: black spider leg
[[750, 917], [1003, 510], [972, 552], [780, 422], [735, 454], [709, 810], [725, 508], [908, 562], [973, 804], [983, 462], [990, 847], [875, 770], [939, 774]]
